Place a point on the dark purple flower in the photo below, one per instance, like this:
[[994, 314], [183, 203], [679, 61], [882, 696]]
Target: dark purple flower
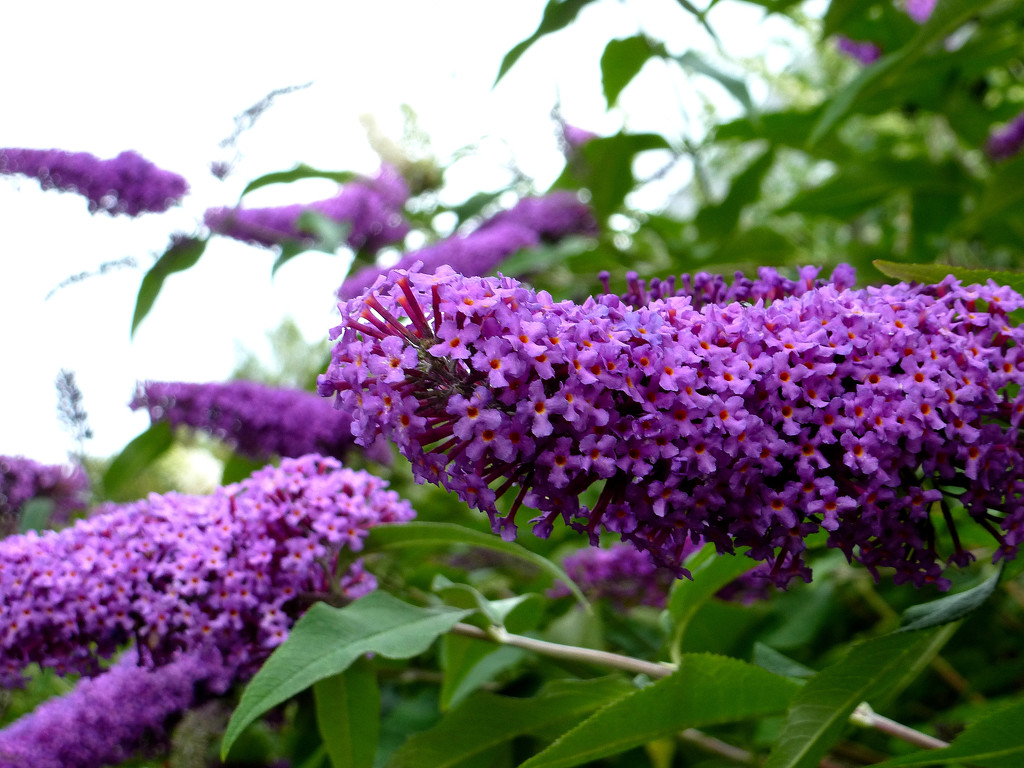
[[127, 184], [371, 207], [863, 51], [1006, 141], [180, 574], [111, 718], [22, 480], [741, 425], [258, 420], [529, 223]]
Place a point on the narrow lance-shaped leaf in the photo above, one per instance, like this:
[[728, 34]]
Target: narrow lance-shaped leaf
[[704, 690], [558, 14], [621, 61], [936, 273], [300, 171], [137, 456], [179, 257], [326, 640], [951, 607], [348, 715]]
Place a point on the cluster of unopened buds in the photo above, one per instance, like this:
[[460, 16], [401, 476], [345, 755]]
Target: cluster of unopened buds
[[868, 414]]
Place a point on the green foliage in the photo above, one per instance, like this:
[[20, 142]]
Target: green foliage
[[299, 172], [181, 255], [558, 14], [136, 457], [348, 715]]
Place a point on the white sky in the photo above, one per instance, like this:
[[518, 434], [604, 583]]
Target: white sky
[[120, 75]]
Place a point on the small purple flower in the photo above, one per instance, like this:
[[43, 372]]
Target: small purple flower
[[127, 184], [863, 51], [529, 223], [371, 207], [1007, 141], [919, 10], [713, 421], [226, 573], [22, 480], [258, 420]]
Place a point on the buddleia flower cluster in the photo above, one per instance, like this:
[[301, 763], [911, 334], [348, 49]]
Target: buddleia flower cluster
[[22, 479], [532, 221], [127, 184], [866, 414], [181, 574], [372, 208], [1007, 141], [257, 420]]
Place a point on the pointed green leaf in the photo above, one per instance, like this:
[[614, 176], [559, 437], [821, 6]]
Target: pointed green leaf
[[704, 690], [621, 61], [733, 85], [326, 640], [558, 14], [822, 708], [719, 220], [300, 171], [486, 720], [936, 273], [951, 607], [469, 663], [420, 534], [35, 514], [139, 454], [348, 715], [994, 741], [177, 258], [768, 658]]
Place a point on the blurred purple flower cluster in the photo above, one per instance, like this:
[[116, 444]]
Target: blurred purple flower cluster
[[127, 184], [1006, 141], [183, 574], [526, 225], [867, 52], [743, 426], [371, 207], [257, 420], [22, 480]]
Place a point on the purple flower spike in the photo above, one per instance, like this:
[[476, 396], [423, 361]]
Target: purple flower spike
[[127, 184], [259, 421], [372, 208], [1008, 141], [526, 225], [22, 480], [179, 574], [861, 50], [741, 425], [109, 719]]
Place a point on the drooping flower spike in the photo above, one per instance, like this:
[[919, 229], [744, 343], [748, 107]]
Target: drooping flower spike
[[746, 426], [127, 184], [183, 574]]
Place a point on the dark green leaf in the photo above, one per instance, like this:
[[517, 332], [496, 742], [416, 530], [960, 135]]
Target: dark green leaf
[[838, 14], [994, 741], [420, 534], [822, 708], [485, 720], [469, 663], [719, 220], [621, 61], [136, 457], [705, 690], [300, 171], [1003, 194], [179, 257], [558, 14], [326, 640], [936, 273], [951, 607], [348, 715], [777, 663], [35, 515], [239, 467]]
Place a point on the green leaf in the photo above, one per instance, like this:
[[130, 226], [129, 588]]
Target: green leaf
[[238, 467], [936, 273], [951, 607], [179, 257], [486, 720], [420, 534], [838, 14], [822, 708], [768, 658], [136, 457], [705, 690], [711, 571], [1003, 194], [469, 663], [348, 715], [300, 171], [621, 61], [558, 14], [35, 514], [326, 640], [994, 741], [327, 237], [736, 88], [721, 219]]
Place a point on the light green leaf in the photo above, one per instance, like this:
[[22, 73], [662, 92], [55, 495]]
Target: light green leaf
[[735, 87], [420, 534], [951, 607], [768, 658], [486, 720], [328, 237], [821, 710], [136, 457], [177, 258], [705, 690], [300, 171], [558, 14], [936, 273], [348, 715], [621, 61], [994, 741], [35, 514], [326, 640]]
